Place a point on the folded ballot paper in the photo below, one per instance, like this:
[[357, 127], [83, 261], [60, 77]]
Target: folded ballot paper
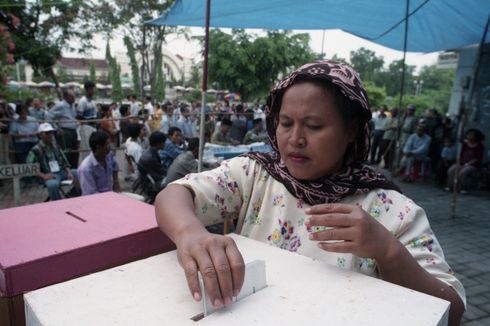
[[254, 281]]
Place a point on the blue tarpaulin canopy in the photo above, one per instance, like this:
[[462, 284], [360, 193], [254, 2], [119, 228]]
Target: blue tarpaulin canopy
[[434, 25]]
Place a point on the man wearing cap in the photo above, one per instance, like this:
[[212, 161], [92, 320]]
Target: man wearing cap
[[416, 148], [52, 161], [65, 114]]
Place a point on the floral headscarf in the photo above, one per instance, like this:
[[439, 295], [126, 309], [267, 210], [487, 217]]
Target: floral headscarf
[[354, 177]]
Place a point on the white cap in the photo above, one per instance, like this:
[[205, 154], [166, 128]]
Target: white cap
[[45, 127]]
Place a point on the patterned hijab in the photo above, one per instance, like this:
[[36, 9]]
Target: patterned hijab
[[354, 177]]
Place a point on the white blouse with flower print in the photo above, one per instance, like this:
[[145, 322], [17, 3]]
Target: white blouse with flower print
[[242, 189]]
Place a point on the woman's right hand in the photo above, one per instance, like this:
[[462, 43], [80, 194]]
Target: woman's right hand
[[219, 261]]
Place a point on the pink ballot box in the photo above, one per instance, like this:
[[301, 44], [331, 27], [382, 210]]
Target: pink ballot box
[[52, 242]]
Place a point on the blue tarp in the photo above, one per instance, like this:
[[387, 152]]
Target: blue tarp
[[434, 25]]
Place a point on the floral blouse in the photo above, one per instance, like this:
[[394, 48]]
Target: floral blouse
[[267, 212]]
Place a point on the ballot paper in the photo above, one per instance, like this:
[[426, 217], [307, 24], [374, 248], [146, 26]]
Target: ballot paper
[[254, 281]]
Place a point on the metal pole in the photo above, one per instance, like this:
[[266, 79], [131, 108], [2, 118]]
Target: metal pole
[[464, 106], [143, 47], [16, 185], [402, 89], [323, 42], [402, 86], [204, 84]]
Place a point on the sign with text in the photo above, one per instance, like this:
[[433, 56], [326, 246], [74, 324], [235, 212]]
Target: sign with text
[[19, 170]]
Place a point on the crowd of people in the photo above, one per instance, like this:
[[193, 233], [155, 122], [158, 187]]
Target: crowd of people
[[77, 139], [427, 146]]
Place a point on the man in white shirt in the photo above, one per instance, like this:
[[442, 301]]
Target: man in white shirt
[[185, 123], [134, 106], [377, 140], [148, 106]]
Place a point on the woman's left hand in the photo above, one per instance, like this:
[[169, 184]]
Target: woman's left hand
[[351, 230]]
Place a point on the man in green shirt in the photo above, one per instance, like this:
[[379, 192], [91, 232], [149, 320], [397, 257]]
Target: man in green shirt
[[52, 161]]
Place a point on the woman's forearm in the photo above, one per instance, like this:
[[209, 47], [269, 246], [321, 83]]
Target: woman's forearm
[[175, 211], [399, 267]]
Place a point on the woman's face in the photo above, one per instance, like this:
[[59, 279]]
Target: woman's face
[[311, 135]]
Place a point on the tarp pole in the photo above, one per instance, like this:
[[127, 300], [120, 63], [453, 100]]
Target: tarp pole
[[464, 106], [402, 112], [204, 85]]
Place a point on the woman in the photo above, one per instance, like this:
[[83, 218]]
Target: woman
[[471, 158], [312, 188]]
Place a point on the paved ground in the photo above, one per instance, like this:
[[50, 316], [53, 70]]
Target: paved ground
[[465, 238]]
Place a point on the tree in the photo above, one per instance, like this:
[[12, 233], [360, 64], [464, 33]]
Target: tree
[[130, 17], [195, 77], [376, 95], [114, 75], [366, 63], [159, 86], [391, 79], [45, 28], [134, 65], [92, 75], [437, 85], [6, 48], [339, 59], [250, 65]]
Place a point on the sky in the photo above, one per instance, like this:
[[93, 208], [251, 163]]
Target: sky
[[335, 42]]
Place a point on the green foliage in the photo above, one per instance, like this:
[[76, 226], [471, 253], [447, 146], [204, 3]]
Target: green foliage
[[19, 94], [197, 96], [435, 92], [250, 65], [62, 75], [46, 28], [134, 65], [376, 95], [6, 56], [114, 75], [92, 76], [366, 63], [158, 89], [339, 59], [129, 17], [195, 78]]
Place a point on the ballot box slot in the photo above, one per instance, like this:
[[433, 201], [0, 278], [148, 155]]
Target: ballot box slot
[[76, 217], [198, 317]]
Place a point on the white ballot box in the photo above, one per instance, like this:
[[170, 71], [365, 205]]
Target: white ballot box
[[299, 290]]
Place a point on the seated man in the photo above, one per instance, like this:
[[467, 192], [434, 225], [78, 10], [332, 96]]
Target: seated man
[[185, 163], [416, 148], [98, 172], [173, 146], [221, 136], [150, 162], [52, 161], [133, 149], [257, 134]]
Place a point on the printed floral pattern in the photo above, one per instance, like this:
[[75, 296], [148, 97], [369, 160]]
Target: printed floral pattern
[[253, 217], [278, 200], [224, 192], [382, 202], [423, 242], [284, 237], [341, 262]]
